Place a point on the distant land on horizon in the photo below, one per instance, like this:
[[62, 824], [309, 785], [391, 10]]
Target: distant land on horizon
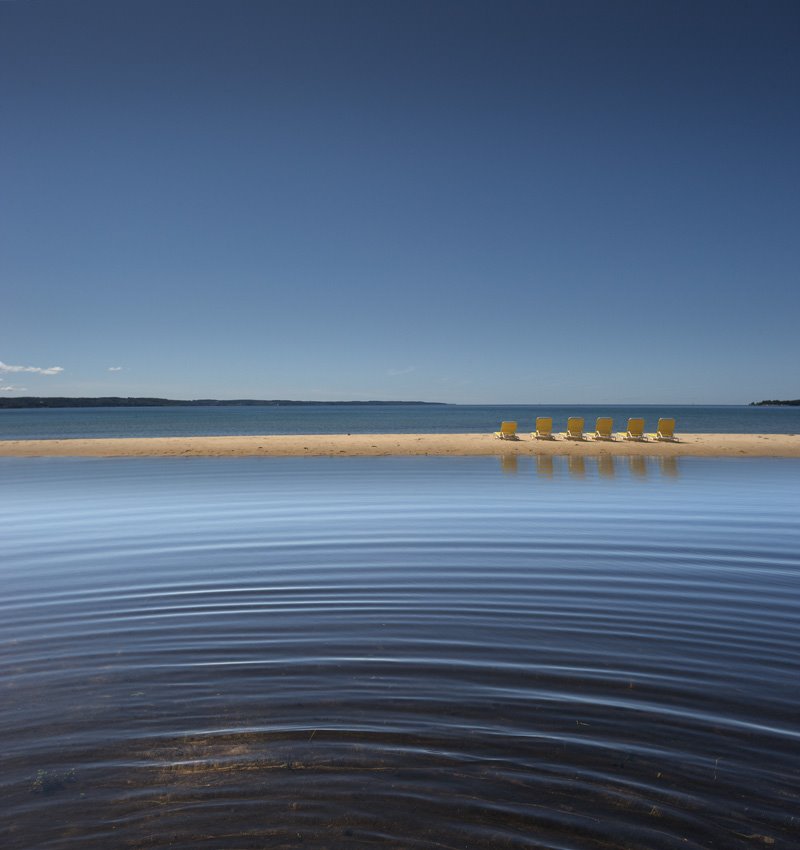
[[19, 402], [773, 402]]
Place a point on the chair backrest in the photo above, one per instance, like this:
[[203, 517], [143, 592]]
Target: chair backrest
[[544, 424], [604, 426], [575, 425], [636, 427], [666, 427], [508, 428]]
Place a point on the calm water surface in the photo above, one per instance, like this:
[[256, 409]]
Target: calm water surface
[[59, 424], [400, 653]]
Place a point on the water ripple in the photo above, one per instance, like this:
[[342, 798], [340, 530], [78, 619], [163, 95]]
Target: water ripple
[[426, 654]]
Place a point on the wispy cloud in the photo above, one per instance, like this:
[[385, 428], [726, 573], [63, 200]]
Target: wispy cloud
[[50, 370], [393, 373], [10, 389], [115, 368]]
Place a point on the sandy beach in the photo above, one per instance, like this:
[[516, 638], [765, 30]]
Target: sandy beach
[[699, 445]]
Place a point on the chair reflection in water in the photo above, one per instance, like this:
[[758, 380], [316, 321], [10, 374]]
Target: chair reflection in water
[[606, 466], [638, 465], [509, 464], [669, 466], [544, 465], [576, 466]]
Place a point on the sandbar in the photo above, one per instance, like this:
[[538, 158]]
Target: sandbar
[[362, 445]]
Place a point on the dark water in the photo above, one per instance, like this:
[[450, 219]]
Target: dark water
[[400, 653], [390, 419]]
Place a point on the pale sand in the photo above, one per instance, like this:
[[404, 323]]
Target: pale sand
[[702, 445]]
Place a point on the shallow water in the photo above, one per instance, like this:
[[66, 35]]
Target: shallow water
[[400, 653], [73, 423]]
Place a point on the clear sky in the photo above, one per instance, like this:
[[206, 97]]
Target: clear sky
[[478, 202]]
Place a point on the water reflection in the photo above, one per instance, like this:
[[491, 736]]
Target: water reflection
[[577, 466], [509, 464], [603, 466], [402, 652], [637, 465], [669, 466]]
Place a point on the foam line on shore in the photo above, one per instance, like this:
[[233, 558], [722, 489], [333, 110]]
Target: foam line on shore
[[361, 445]]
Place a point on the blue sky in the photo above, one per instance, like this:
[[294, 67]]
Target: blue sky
[[496, 202]]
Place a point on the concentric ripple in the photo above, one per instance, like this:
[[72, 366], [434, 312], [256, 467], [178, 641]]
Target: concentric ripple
[[400, 653]]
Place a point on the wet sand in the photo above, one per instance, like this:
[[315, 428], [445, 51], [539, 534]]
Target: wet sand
[[699, 445]]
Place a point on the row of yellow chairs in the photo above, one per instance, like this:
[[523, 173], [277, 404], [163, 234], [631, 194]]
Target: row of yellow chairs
[[603, 430]]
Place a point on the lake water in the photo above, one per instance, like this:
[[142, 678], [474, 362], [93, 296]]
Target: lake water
[[68, 423], [400, 653]]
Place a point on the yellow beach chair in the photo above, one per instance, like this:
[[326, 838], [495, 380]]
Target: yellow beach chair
[[665, 431], [635, 430], [544, 428], [603, 428], [575, 428], [508, 431]]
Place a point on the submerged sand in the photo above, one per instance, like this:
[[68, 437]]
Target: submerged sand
[[700, 445]]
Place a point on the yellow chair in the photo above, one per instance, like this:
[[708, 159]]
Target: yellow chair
[[544, 428], [575, 428], [665, 431], [603, 428], [508, 431], [636, 430]]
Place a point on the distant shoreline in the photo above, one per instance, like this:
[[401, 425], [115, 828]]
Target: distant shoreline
[[795, 402], [372, 445], [36, 402]]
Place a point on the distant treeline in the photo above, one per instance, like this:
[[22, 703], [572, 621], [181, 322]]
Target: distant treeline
[[118, 401], [774, 402]]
